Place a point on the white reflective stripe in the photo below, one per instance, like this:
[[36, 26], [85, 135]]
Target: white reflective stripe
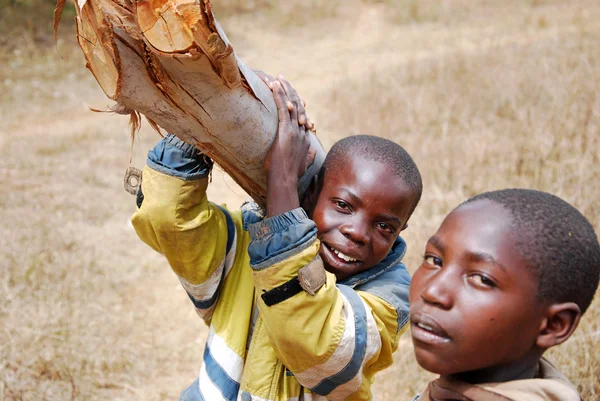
[[228, 359], [373, 346], [207, 388], [230, 258], [307, 397], [342, 355], [204, 291]]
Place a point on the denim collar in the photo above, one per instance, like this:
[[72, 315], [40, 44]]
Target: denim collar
[[396, 254]]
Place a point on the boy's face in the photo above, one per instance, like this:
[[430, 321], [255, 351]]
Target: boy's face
[[473, 300], [361, 209]]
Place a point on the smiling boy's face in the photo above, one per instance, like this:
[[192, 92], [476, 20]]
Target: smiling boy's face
[[473, 300], [362, 207]]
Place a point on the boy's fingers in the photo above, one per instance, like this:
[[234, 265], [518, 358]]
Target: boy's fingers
[[293, 114], [301, 111], [266, 78], [281, 102], [297, 101], [290, 91]]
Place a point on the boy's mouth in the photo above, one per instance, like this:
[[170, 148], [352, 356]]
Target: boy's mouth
[[340, 256], [427, 330]]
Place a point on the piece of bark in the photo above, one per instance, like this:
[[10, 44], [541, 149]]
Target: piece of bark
[[171, 61]]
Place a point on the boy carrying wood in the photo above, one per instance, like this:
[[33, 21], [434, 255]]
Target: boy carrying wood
[[306, 300]]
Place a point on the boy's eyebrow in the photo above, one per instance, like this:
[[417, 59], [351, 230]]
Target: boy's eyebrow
[[387, 217], [435, 241], [484, 257], [390, 218], [355, 198]]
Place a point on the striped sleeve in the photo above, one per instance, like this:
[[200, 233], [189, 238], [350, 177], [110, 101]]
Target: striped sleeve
[[175, 218], [342, 374], [204, 294]]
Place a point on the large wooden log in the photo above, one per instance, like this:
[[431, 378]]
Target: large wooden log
[[171, 61]]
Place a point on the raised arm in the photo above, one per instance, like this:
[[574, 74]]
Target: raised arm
[[175, 218], [333, 338]]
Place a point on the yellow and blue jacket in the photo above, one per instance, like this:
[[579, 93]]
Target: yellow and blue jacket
[[307, 347]]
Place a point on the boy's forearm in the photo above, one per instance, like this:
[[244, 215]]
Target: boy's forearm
[[282, 193], [174, 179], [176, 219], [287, 158]]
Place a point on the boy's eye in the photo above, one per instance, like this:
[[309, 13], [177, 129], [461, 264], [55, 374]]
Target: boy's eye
[[341, 204], [385, 227], [433, 260], [482, 280]]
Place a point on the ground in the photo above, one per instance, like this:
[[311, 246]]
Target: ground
[[484, 95]]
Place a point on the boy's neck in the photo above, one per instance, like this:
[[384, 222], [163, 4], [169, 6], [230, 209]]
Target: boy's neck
[[521, 370]]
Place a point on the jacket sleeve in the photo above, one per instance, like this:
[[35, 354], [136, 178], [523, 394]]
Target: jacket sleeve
[[334, 341], [175, 218]]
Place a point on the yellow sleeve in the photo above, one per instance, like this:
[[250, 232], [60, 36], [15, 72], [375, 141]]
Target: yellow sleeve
[[197, 237]]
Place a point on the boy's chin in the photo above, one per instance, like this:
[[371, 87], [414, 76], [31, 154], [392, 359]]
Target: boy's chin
[[342, 274], [431, 363], [339, 268]]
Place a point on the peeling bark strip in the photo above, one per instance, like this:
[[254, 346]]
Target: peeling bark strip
[[171, 61]]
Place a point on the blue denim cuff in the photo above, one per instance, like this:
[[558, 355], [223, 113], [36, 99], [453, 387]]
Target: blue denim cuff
[[277, 223], [279, 237], [174, 157]]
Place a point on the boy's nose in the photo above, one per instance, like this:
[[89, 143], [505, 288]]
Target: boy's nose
[[355, 230], [438, 290]]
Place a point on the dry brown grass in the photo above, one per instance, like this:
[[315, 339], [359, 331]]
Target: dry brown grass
[[483, 96]]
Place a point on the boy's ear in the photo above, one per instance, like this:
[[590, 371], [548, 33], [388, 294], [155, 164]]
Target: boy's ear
[[560, 322], [404, 227]]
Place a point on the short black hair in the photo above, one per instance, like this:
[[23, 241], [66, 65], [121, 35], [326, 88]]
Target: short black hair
[[374, 148], [556, 240]]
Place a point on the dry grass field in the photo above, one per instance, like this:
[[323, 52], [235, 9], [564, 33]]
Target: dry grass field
[[484, 94]]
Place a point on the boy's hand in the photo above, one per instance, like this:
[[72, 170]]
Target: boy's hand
[[298, 103], [287, 159]]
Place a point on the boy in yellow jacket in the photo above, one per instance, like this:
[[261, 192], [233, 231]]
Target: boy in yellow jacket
[[299, 308], [507, 275]]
